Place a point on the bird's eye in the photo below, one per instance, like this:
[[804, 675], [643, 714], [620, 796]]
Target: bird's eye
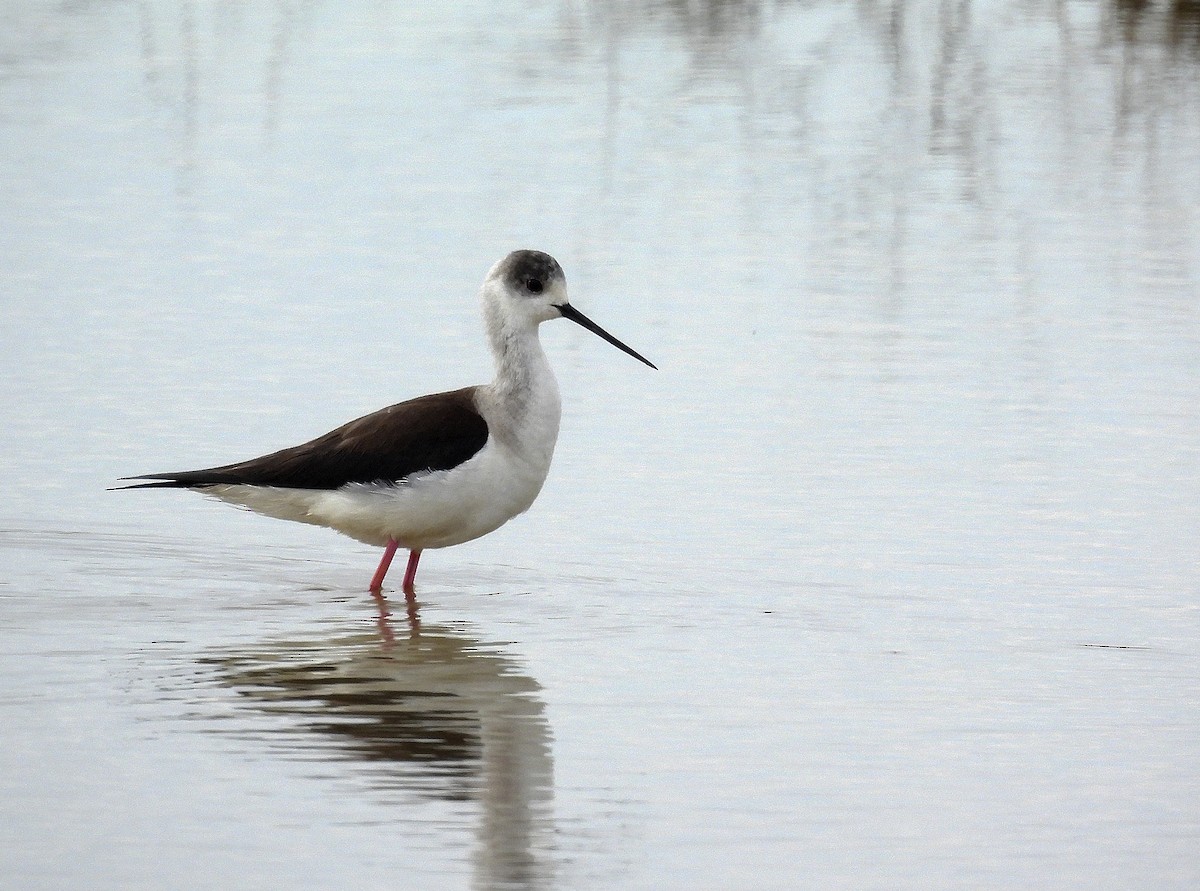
[[534, 285]]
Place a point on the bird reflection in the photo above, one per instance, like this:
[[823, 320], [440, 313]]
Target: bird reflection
[[431, 713]]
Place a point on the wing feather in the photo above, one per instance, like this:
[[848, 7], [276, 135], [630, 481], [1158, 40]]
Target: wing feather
[[436, 432]]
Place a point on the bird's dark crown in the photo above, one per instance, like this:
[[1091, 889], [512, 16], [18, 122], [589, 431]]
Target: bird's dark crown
[[520, 268]]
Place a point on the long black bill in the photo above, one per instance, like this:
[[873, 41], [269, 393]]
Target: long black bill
[[570, 312]]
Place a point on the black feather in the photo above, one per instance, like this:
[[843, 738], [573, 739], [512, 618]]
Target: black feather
[[436, 432]]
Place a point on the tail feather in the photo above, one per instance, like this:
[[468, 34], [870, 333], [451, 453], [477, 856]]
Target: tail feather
[[190, 479]]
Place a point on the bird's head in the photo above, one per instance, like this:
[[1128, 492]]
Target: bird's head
[[527, 288]]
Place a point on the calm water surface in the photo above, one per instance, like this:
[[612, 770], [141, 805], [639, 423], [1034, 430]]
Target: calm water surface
[[888, 578]]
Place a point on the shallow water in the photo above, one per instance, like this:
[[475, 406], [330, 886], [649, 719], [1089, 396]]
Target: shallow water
[[888, 578]]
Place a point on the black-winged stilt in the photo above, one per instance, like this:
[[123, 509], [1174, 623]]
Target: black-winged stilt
[[437, 470]]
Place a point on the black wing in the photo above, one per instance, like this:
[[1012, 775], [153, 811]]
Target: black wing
[[434, 432]]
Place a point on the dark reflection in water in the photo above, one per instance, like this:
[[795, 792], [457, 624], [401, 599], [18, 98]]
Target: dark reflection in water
[[428, 714], [1175, 24]]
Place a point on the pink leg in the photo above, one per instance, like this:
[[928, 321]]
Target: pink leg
[[388, 553], [410, 574]]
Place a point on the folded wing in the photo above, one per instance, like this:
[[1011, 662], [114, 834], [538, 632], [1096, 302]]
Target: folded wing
[[436, 432]]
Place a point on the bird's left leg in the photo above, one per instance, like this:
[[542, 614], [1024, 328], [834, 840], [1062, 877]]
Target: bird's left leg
[[410, 574]]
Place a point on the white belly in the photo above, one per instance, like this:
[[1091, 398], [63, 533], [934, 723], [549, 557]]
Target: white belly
[[434, 510]]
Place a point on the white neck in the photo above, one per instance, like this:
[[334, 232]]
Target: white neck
[[524, 388]]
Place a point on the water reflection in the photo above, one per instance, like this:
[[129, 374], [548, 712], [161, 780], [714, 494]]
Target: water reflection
[[420, 713], [1175, 25]]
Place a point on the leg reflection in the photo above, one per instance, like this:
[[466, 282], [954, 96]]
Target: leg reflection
[[384, 618]]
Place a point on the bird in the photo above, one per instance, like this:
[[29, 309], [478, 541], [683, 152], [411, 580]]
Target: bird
[[434, 471]]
